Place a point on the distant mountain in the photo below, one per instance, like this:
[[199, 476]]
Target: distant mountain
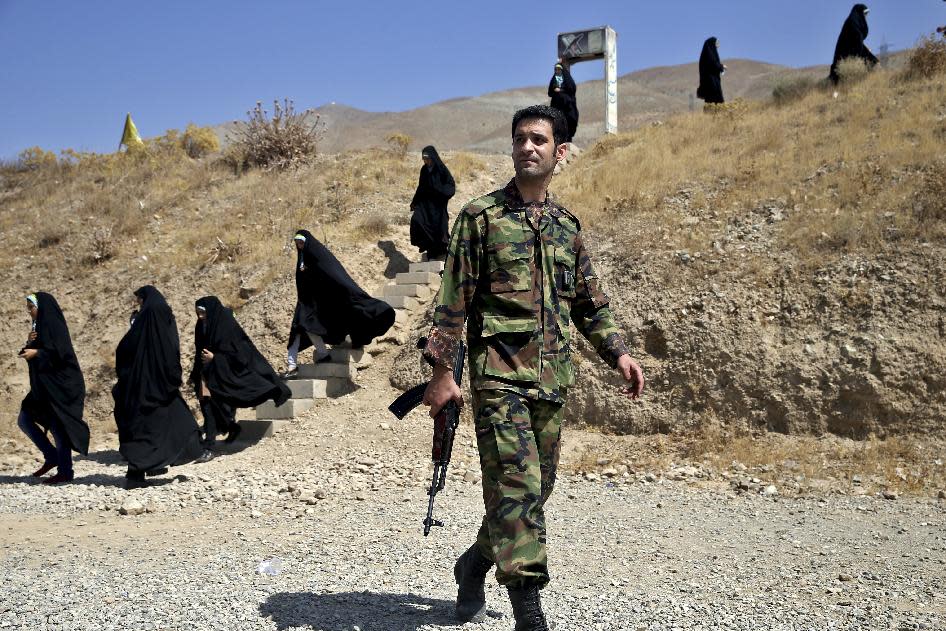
[[481, 123]]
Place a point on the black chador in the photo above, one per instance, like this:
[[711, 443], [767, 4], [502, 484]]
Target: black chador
[[851, 41], [228, 372], [711, 70], [155, 427], [57, 390], [330, 304], [563, 91], [430, 229]]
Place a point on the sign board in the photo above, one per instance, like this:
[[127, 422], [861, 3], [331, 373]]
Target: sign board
[[591, 44]]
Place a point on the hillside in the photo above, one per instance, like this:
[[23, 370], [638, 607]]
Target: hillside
[[777, 267], [480, 123]]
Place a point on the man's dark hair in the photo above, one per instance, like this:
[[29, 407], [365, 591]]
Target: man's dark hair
[[552, 115]]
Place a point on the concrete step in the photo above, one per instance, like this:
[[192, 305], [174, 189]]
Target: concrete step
[[288, 410], [429, 266], [307, 388], [347, 354], [254, 431], [415, 291], [400, 302], [327, 370], [417, 278]]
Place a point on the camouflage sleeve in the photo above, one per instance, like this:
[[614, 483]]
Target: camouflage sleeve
[[460, 276], [591, 313]]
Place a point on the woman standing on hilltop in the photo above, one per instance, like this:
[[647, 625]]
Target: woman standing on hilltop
[[851, 41], [56, 398], [563, 91], [430, 224], [711, 71], [228, 372], [330, 306], [155, 427]]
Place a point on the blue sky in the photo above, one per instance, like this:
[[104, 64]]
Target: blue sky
[[71, 69]]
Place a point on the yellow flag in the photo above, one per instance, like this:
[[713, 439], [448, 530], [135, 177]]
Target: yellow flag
[[130, 137]]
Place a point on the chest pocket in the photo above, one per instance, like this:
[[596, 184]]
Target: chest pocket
[[565, 271], [509, 255]]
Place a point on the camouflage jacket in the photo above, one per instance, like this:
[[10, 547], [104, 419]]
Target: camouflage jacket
[[519, 274]]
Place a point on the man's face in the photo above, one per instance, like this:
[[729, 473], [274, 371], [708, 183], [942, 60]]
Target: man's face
[[534, 153]]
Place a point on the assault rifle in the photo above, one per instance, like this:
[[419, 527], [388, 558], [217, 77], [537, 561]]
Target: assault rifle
[[445, 428]]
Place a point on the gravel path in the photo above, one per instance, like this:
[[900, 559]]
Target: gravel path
[[337, 499]]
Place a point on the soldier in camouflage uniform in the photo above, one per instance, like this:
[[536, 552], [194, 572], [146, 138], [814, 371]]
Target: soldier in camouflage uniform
[[518, 275]]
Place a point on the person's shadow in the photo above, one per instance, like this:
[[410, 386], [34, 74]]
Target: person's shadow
[[397, 262], [368, 610]]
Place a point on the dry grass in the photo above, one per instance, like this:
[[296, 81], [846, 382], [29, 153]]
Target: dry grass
[[464, 164], [847, 169], [928, 59], [904, 464]]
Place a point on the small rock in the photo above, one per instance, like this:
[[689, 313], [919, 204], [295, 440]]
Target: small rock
[[890, 495], [610, 472], [591, 476], [650, 477], [942, 494], [132, 507], [770, 491], [845, 578]]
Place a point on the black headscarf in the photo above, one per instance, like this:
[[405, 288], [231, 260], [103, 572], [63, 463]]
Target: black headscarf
[[565, 101], [711, 85], [851, 40], [57, 389], [430, 223], [155, 426], [238, 374], [331, 304]]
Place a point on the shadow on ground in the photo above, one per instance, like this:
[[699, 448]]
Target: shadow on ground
[[368, 610], [397, 262]]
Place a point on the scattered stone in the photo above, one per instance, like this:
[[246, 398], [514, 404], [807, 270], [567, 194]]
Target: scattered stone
[[770, 491], [132, 507], [890, 495], [845, 578]]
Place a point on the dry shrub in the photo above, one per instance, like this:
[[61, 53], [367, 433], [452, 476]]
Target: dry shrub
[[464, 164], [374, 226], [794, 87], [852, 70], [399, 143], [36, 158], [199, 141], [927, 60], [734, 110], [280, 141], [102, 245]]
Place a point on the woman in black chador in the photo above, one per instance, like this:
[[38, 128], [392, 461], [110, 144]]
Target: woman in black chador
[[57, 390], [711, 71], [330, 305], [851, 41], [155, 427], [563, 91], [430, 230], [228, 372]]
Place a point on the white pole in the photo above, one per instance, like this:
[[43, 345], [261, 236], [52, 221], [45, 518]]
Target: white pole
[[611, 81]]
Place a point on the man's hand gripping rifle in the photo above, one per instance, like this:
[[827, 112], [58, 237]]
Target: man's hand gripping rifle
[[445, 428]]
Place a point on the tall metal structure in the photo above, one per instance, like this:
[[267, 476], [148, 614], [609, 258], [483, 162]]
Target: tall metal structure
[[591, 44]]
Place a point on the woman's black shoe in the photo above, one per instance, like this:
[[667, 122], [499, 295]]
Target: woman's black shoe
[[234, 432]]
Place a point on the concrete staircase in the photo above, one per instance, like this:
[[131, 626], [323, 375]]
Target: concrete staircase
[[336, 378], [326, 380]]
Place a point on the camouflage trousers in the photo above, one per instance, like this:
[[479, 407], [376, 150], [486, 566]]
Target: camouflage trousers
[[518, 440]]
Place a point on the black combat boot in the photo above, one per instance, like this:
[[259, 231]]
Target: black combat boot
[[527, 609], [470, 572]]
